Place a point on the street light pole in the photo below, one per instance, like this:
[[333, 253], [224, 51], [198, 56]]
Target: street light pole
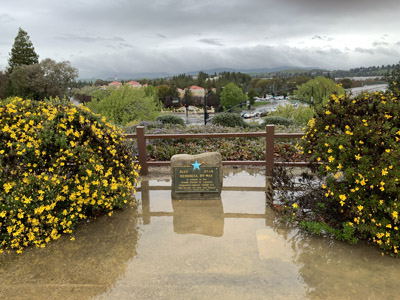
[[205, 107], [187, 106]]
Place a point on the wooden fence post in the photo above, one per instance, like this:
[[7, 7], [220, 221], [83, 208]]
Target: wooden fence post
[[269, 149], [141, 145], [269, 163]]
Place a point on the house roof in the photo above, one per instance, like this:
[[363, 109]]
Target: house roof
[[132, 82], [116, 83], [195, 87]]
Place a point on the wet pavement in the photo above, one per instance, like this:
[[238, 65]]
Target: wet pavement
[[233, 248]]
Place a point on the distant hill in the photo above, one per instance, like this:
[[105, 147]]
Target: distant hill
[[109, 76], [250, 71], [153, 75]]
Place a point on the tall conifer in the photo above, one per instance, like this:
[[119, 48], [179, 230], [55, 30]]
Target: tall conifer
[[22, 52]]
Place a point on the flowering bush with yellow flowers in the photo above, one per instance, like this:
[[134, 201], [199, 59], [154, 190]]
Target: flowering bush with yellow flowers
[[59, 165], [356, 140]]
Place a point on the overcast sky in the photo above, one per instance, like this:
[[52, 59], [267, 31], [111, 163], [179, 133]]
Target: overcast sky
[[185, 35]]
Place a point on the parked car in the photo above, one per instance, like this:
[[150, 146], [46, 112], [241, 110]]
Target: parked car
[[243, 113], [249, 115], [262, 112]]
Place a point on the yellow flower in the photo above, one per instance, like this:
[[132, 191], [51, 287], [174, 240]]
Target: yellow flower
[[388, 116], [328, 112], [358, 156], [295, 205], [7, 187]]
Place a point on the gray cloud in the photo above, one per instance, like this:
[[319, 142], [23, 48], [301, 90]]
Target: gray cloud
[[88, 39], [5, 18], [161, 35], [363, 50], [380, 44], [214, 42], [322, 38]]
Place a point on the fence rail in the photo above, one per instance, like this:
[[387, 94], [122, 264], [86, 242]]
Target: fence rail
[[269, 135]]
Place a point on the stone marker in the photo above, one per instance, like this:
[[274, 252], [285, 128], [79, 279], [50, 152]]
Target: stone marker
[[197, 177]]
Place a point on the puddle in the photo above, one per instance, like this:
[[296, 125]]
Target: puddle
[[233, 248]]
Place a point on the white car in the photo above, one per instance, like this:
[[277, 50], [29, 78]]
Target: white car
[[249, 115]]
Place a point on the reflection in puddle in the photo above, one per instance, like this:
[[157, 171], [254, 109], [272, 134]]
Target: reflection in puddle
[[235, 248], [198, 216]]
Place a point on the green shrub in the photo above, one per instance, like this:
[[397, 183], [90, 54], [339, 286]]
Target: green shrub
[[171, 119], [125, 104], [276, 120], [302, 114], [299, 115], [228, 120], [59, 164], [357, 139]]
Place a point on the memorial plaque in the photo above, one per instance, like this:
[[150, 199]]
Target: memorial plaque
[[196, 177], [200, 180]]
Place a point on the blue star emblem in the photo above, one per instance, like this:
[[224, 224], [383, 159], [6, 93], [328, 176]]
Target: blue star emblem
[[196, 165]]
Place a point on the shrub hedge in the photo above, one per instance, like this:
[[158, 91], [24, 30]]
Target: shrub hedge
[[171, 119], [277, 120], [228, 120], [59, 164], [358, 141]]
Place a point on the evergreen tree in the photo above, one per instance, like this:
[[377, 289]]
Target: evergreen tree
[[22, 52]]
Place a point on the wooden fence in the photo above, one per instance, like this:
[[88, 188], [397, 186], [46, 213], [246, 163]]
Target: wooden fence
[[269, 135]]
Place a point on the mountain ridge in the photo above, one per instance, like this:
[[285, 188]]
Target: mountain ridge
[[153, 75]]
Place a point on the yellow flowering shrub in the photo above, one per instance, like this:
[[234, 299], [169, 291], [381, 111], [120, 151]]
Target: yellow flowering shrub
[[59, 164], [357, 139]]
